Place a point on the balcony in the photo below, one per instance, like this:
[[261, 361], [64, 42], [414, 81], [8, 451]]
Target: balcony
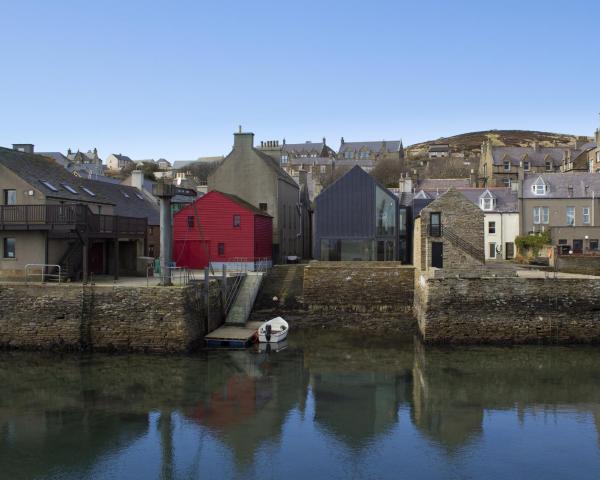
[[69, 218], [435, 230]]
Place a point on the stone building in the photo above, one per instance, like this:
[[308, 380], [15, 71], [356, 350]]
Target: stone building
[[449, 233], [258, 179], [499, 166], [438, 150], [367, 154], [117, 161], [566, 204]]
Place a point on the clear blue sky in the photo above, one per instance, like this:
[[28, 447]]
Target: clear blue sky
[[174, 79]]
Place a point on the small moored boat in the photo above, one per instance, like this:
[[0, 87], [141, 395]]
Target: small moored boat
[[273, 331]]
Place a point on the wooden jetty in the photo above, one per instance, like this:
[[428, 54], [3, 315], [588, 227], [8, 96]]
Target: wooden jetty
[[233, 336]]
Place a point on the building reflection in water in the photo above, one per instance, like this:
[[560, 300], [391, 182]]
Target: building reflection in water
[[363, 393]]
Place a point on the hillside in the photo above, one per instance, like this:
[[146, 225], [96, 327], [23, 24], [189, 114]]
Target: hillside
[[470, 143]]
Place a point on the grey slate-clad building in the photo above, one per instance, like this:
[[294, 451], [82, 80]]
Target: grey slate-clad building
[[356, 218]]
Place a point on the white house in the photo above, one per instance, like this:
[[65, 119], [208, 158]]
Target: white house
[[501, 217]]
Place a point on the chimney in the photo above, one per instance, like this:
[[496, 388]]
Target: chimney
[[324, 142], [405, 184], [535, 146], [243, 141], [137, 179], [23, 147], [598, 137], [342, 141]]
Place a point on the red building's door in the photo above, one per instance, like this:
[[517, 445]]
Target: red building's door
[[191, 253]]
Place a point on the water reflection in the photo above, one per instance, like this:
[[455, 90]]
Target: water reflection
[[327, 406]]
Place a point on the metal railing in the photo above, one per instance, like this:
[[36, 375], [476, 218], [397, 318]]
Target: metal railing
[[44, 275], [232, 292], [464, 245], [250, 264], [435, 230]]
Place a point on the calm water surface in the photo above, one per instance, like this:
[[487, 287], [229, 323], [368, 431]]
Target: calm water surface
[[328, 406]]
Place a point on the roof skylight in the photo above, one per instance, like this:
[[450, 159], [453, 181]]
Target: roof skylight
[[88, 191], [49, 186], [69, 188]]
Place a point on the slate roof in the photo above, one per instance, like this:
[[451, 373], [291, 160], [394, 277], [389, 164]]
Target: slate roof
[[303, 148], [242, 203], [433, 183], [506, 199], [57, 157], [439, 148], [312, 161], [120, 157], [365, 163], [274, 165], [537, 157], [390, 146], [558, 185], [36, 168]]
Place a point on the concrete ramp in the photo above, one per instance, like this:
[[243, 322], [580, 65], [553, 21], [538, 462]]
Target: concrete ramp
[[244, 301]]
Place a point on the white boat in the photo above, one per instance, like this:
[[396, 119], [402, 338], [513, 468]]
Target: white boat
[[273, 331]]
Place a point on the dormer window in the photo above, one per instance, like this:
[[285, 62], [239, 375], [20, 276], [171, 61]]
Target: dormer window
[[506, 166], [364, 155], [539, 187], [526, 166], [548, 166], [487, 202], [348, 155]]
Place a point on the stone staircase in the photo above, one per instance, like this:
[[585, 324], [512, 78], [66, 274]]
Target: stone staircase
[[244, 301]]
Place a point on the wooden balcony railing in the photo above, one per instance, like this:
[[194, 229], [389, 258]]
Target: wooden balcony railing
[[74, 216]]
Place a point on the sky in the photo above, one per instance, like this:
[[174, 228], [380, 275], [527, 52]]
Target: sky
[[175, 79]]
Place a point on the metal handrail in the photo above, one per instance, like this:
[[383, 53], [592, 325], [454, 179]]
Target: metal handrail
[[43, 274]]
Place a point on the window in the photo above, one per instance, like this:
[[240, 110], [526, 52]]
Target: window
[[348, 155], [526, 166], [221, 248], [237, 221], [586, 215], [10, 197], [541, 215], [69, 188], [8, 248], [594, 245], [539, 187], [548, 166], [562, 241], [364, 155], [385, 211], [262, 206], [88, 191], [190, 221], [486, 203], [506, 182], [284, 159], [125, 194], [492, 250], [323, 168], [507, 166], [49, 186], [435, 224], [492, 227], [139, 195], [570, 215]]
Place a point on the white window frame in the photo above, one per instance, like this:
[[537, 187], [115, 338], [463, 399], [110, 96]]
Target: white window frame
[[586, 215], [539, 188], [492, 224], [526, 166], [545, 215], [537, 215], [487, 204]]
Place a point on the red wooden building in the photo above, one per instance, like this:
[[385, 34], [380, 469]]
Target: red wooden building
[[220, 228]]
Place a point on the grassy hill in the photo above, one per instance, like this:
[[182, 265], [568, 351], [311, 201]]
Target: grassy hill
[[470, 143]]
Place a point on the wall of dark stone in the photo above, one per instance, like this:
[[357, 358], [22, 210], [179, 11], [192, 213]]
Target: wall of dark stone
[[508, 310], [363, 287], [72, 317], [587, 265]]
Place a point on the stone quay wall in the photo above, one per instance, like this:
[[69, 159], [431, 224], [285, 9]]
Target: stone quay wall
[[509, 310], [74, 317], [583, 264], [363, 287]]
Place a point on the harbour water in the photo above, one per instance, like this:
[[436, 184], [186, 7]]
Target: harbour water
[[330, 405]]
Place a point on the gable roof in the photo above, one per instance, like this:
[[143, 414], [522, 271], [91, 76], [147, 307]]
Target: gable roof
[[558, 185], [537, 156], [388, 146], [35, 169], [445, 183], [274, 165], [357, 170]]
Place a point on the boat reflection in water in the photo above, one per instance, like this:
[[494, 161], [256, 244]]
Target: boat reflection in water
[[323, 406]]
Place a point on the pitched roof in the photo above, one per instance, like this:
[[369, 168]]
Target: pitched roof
[[389, 146], [558, 185], [506, 199], [312, 161], [120, 157], [241, 203], [274, 165], [439, 148], [537, 156], [56, 156], [303, 148], [36, 169], [433, 183]]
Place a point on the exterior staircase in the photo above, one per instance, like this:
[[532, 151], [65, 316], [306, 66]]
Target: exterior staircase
[[284, 282], [72, 261], [467, 247], [244, 299]]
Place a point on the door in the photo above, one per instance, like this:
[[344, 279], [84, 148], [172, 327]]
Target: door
[[437, 254], [96, 258], [191, 253], [577, 246], [510, 250], [492, 250]]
